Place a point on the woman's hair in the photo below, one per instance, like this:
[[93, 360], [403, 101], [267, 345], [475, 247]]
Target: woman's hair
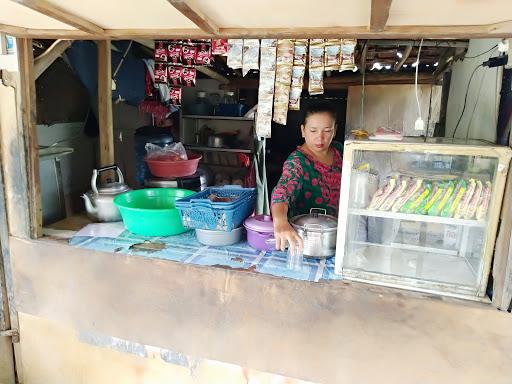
[[320, 106]]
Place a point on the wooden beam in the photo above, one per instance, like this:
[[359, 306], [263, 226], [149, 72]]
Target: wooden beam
[[405, 56], [57, 13], [408, 32], [49, 56], [105, 103], [195, 16], [379, 15], [363, 57], [444, 62], [345, 81], [28, 111]]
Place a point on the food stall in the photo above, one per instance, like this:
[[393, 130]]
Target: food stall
[[106, 302]]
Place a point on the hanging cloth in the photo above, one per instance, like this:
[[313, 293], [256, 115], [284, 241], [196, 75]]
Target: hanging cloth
[[262, 200]]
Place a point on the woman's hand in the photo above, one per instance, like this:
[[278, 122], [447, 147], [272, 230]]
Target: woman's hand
[[284, 233]]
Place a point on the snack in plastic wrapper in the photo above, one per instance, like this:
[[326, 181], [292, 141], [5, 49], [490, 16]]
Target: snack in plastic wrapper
[[294, 102], [285, 49], [189, 53], [160, 73], [316, 55], [455, 199], [235, 52], [264, 115], [174, 51], [161, 51], [174, 74], [437, 207], [413, 187], [300, 52], [483, 204], [382, 193], [316, 81], [268, 55], [464, 204], [284, 74], [280, 114], [424, 206], [251, 54], [470, 213], [418, 198], [175, 95], [347, 54], [188, 77], [298, 76], [203, 54], [394, 196], [332, 55], [220, 47]]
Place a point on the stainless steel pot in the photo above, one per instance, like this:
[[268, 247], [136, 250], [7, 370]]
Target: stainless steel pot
[[318, 231], [216, 141]]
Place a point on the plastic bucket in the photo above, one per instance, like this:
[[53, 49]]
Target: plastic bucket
[[152, 211], [180, 168]]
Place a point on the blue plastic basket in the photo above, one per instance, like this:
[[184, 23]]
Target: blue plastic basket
[[199, 212]]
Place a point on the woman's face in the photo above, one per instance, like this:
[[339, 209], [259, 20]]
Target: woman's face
[[318, 131]]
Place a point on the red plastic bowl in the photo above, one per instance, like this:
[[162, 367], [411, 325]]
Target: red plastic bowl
[[161, 167]]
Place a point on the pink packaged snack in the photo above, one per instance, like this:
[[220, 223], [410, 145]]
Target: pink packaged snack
[[204, 54], [189, 53], [174, 74], [175, 95], [475, 199], [161, 51], [483, 204], [188, 77], [219, 47], [160, 73], [174, 52]]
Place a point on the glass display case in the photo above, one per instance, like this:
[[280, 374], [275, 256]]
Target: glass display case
[[420, 214]]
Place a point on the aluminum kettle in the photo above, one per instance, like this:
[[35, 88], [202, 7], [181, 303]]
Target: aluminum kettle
[[99, 201]]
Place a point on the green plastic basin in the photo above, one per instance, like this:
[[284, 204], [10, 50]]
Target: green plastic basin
[[152, 211]]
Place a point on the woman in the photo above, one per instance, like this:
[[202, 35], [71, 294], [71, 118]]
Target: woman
[[311, 175]]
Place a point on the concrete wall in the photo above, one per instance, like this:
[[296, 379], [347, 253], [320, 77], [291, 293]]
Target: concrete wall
[[480, 117]]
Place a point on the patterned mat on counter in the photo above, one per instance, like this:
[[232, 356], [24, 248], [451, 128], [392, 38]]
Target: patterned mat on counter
[[186, 249]]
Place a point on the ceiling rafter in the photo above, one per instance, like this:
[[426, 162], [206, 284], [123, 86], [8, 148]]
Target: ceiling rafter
[[57, 13], [379, 14], [405, 56], [195, 16]]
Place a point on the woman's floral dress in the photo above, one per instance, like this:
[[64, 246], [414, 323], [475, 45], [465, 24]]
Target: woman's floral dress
[[306, 183]]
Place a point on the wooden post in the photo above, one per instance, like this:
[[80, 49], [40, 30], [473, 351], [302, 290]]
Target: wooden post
[[105, 103], [28, 112]]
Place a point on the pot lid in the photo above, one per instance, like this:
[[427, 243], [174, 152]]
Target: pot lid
[[315, 221], [112, 188], [260, 223]]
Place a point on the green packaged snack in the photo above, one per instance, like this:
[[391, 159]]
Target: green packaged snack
[[424, 206], [455, 199], [436, 208], [418, 198]]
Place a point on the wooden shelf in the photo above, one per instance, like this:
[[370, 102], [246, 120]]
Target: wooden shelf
[[420, 218], [216, 117], [215, 149]]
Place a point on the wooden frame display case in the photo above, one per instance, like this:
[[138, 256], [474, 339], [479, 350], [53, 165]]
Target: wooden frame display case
[[439, 238]]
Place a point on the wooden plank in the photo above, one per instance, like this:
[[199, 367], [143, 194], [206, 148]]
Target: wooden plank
[[345, 81], [49, 56], [28, 110], [194, 15], [213, 74], [188, 304], [105, 103], [359, 32], [405, 56], [57, 13], [502, 264], [379, 15]]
